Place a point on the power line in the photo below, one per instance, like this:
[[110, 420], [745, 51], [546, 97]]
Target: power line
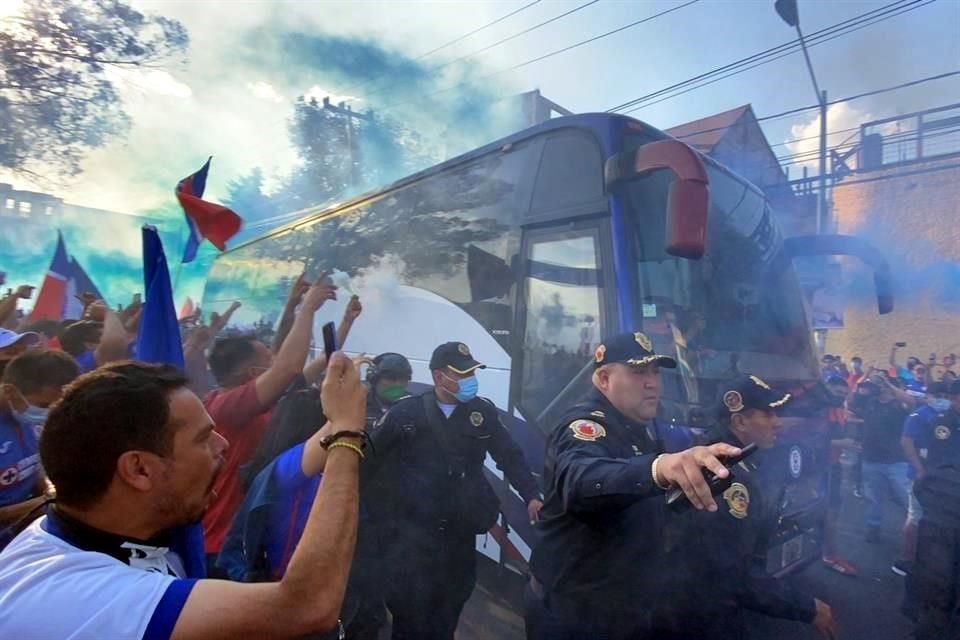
[[454, 41], [477, 30], [790, 112], [760, 63], [499, 42], [545, 56], [845, 26]]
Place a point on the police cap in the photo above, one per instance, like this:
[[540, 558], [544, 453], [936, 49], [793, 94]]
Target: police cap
[[632, 349], [455, 356], [750, 392]]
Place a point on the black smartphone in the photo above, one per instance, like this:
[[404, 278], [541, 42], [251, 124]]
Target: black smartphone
[[329, 339], [900, 344], [676, 497]]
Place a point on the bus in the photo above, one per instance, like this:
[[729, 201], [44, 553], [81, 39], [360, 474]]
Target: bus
[[533, 248]]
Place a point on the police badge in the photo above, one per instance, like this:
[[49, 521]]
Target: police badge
[[476, 418], [733, 401], [643, 341]]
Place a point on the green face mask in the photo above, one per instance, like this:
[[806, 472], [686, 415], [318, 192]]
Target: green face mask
[[393, 393]]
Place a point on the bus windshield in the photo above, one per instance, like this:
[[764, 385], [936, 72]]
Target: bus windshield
[[732, 311]]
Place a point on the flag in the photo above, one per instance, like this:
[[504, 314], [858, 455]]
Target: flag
[[159, 337], [65, 280], [207, 220]]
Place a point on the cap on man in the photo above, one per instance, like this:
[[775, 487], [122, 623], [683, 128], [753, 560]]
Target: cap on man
[[13, 344], [603, 473]]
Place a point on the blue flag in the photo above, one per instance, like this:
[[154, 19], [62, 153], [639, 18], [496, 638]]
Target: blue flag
[[159, 338]]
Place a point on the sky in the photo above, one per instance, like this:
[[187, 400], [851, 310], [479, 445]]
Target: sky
[[231, 95]]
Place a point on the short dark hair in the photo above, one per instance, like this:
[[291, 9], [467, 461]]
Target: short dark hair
[[35, 369], [74, 338], [120, 407], [856, 359], [229, 354]]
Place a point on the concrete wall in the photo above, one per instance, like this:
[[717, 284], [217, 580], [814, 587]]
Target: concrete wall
[[911, 213]]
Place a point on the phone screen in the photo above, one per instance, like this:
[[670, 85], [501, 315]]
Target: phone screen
[[329, 339]]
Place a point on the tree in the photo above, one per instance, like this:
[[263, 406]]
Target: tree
[[57, 98], [245, 196]]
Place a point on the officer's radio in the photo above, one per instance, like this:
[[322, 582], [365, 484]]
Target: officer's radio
[[677, 499]]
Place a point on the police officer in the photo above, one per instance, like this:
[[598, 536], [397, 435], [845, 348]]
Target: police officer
[[937, 583], [425, 486], [605, 475], [387, 378], [705, 573]]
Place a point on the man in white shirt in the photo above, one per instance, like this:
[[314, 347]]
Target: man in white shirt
[[134, 456]]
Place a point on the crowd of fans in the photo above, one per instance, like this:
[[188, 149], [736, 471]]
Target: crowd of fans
[[100, 453]]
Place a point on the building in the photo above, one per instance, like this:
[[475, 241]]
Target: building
[[900, 188]]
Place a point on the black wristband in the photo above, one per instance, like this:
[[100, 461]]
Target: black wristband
[[328, 440]]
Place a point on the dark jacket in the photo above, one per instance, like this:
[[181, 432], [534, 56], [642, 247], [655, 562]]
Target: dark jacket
[[713, 564], [601, 518], [428, 479]]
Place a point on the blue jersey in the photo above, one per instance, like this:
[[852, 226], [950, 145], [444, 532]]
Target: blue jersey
[[288, 515], [19, 461], [917, 428]]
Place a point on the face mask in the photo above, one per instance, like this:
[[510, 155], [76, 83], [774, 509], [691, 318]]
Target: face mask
[[939, 404], [393, 393], [467, 388], [33, 416]]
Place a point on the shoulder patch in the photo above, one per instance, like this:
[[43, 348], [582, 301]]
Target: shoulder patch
[[737, 497], [942, 432], [587, 430]]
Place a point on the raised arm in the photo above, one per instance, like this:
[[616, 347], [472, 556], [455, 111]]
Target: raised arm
[[308, 598], [299, 289]]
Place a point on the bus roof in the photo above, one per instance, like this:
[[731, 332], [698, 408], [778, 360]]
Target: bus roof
[[605, 125]]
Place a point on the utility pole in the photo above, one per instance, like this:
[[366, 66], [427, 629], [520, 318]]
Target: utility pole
[[353, 139], [788, 11]]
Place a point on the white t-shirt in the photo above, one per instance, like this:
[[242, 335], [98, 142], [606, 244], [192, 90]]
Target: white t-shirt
[[51, 589], [447, 409]]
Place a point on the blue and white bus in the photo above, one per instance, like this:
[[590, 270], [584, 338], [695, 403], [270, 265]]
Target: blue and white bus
[[531, 249]]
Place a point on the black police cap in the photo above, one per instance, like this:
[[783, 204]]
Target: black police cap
[[392, 364], [455, 356], [750, 392], [632, 349]]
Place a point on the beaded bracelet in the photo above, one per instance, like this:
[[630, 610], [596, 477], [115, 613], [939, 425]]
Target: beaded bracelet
[[347, 445], [328, 440]]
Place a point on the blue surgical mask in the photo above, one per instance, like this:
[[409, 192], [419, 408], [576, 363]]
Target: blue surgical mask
[[32, 416], [467, 388], [939, 404]]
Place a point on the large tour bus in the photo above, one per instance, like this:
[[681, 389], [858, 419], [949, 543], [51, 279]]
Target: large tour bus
[[531, 249]]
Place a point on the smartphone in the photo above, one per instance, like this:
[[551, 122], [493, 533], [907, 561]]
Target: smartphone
[[329, 339], [900, 344], [676, 497]]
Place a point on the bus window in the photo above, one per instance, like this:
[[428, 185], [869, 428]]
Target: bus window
[[562, 314], [731, 311], [571, 173]]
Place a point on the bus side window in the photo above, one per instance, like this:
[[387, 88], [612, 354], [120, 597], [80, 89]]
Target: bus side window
[[563, 320]]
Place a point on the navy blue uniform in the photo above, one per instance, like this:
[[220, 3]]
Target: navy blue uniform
[[936, 572], [429, 497], [712, 568], [601, 523]]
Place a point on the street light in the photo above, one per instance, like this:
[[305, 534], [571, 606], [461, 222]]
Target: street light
[[788, 11]]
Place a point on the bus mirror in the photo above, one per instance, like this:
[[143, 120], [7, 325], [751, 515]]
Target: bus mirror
[[688, 199], [835, 245]]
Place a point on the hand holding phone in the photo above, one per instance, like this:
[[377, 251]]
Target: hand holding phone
[[677, 498], [329, 339]]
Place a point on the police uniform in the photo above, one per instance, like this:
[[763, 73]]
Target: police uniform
[[712, 568], [938, 539], [424, 483], [599, 531]]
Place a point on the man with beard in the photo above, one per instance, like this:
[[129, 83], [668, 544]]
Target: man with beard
[[134, 456]]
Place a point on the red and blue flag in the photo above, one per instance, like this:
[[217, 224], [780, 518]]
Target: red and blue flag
[[65, 280], [206, 220]]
